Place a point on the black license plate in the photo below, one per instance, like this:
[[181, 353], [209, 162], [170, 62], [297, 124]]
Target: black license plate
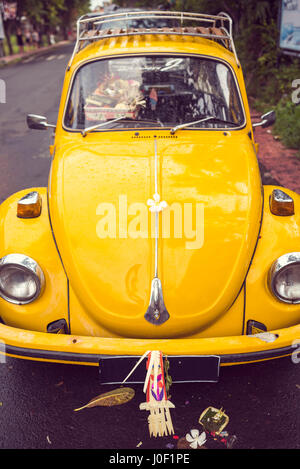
[[183, 369]]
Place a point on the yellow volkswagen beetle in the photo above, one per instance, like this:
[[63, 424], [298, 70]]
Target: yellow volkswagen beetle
[[155, 232]]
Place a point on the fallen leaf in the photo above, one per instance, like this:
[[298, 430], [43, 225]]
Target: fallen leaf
[[49, 441], [139, 444], [108, 399]]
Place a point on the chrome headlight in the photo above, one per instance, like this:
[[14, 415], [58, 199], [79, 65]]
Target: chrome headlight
[[284, 278], [21, 279]]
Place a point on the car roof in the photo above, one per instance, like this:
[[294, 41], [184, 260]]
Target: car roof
[[153, 45]]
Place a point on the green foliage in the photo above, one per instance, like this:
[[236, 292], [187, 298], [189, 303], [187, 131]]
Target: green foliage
[[288, 123], [48, 14]]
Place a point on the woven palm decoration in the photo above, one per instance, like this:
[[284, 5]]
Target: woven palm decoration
[[157, 403]]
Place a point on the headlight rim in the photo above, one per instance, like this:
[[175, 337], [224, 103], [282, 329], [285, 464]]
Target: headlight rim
[[281, 263], [28, 265]]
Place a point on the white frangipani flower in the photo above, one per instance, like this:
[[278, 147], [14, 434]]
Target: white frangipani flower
[[195, 439], [155, 204]]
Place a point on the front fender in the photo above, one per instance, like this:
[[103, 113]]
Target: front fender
[[33, 237], [279, 235]]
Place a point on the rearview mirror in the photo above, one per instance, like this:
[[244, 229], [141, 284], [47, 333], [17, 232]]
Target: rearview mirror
[[266, 119], [38, 122]]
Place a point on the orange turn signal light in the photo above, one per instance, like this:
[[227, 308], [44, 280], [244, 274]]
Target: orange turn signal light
[[30, 206], [281, 203]]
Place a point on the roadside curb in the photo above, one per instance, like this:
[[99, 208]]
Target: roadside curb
[[13, 59]]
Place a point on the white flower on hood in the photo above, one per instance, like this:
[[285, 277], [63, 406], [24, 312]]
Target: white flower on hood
[[155, 204]]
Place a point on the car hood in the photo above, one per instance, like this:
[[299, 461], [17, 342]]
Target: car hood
[[104, 230]]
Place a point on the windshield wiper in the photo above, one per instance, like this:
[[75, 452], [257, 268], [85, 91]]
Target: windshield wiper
[[122, 118], [103, 124], [208, 118]]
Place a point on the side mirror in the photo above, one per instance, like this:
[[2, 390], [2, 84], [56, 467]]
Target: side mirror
[[38, 122], [266, 119]]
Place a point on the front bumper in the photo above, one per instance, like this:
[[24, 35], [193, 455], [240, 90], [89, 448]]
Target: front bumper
[[62, 348]]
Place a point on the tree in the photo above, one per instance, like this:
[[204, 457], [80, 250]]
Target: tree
[[72, 10], [47, 15]]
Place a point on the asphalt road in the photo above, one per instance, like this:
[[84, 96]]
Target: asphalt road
[[37, 399]]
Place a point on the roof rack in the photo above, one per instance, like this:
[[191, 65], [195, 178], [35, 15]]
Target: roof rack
[[91, 27]]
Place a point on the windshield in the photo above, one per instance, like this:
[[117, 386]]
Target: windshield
[[154, 91]]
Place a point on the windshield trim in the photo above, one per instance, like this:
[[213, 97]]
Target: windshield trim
[[166, 53]]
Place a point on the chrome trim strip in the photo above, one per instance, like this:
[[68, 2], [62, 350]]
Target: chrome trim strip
[[156, 214], [80, 357], [157, 312]]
